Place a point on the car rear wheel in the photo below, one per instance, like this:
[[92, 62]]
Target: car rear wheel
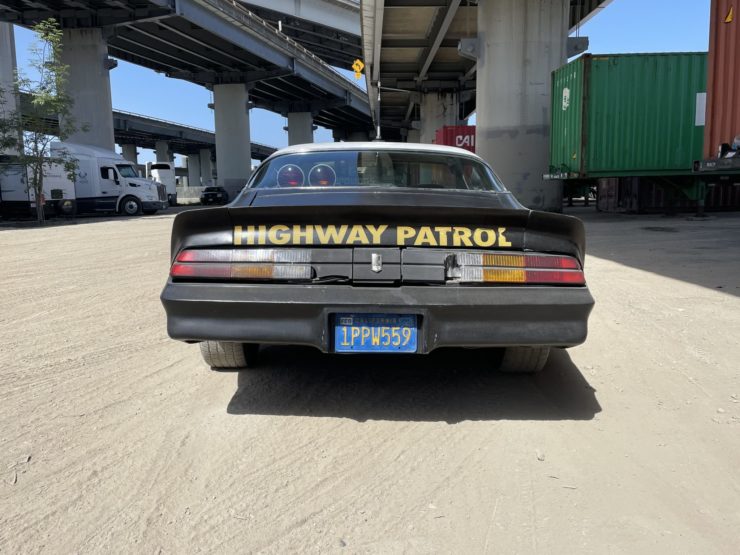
[[524, 360], [223, 356]]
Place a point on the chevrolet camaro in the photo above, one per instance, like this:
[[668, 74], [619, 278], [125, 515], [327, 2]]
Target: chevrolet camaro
[[377, 248]]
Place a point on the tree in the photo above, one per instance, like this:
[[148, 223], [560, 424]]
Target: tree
[[43, 115]]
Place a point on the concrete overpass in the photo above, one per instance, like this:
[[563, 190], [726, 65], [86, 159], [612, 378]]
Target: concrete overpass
[[328, 28], [433, 62], [166, 138], [216, 43]]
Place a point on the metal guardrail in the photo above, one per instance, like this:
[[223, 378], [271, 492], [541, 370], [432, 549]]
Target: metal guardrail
[[255, 24], [164, 121]]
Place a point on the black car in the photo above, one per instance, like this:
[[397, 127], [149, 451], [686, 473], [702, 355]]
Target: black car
[[214, 195], [377, 248]]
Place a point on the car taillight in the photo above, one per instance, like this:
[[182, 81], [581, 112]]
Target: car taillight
[[536, 269], [243, 264]]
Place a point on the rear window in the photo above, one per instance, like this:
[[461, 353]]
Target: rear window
[[212, 190], [161, 167], [375, 168]]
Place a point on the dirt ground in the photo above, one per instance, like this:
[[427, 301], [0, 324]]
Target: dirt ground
[[113, 438]]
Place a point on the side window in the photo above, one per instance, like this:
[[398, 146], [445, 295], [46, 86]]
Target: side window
[[106, 172]]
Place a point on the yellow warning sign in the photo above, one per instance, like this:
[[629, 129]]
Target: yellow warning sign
[[358, 66]]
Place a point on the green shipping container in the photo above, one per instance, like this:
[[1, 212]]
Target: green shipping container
[[626, 115]]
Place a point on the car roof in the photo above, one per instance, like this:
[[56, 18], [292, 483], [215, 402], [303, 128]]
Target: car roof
[[374, 145]]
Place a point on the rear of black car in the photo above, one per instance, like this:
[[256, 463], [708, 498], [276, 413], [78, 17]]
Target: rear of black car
[[360, 271], [214, 195]]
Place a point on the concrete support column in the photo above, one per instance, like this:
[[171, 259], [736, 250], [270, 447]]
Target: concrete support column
[[233, 146], [414, 136], [162, 151], [130, 153], [193, 163], [9, 102], [300, 128], [88, 83], [438, 110], [520, 42], [206, 167]]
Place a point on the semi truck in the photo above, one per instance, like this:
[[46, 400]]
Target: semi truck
[[164, 173], [104, 182], [16, 199]]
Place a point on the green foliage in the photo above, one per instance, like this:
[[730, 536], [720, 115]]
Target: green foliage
[[42, 113]]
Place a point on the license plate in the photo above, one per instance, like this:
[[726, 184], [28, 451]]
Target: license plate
[[375, 333]]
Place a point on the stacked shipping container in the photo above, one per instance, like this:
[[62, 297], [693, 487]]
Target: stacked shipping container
[[628, 115], [723, 94]]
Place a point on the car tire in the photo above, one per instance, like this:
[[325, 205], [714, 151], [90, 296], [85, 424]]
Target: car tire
[[524, 360], [130, 206], [223, 356]]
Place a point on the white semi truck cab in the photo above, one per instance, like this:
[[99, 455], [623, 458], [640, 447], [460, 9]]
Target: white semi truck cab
[[106, 182]]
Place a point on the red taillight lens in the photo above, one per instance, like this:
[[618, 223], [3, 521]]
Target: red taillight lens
[[535, 269], [243, 264]]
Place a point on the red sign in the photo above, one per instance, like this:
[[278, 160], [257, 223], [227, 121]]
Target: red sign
[[461, 136]]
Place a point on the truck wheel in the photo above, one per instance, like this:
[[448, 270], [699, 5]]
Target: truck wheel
[[130, 206], [229, 357], [66, 207], [524, 360]]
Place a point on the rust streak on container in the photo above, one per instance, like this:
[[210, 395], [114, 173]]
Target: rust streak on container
[[723, 86]]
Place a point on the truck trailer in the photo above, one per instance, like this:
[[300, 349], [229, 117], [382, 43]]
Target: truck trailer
[[104, 182]]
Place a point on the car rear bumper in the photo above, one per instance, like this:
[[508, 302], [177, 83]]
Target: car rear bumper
[[448, 316]]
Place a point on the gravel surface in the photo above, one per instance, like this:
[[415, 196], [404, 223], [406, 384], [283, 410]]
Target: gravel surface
[[114, 438]]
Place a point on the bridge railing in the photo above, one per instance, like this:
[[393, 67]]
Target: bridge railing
[[259, 26]]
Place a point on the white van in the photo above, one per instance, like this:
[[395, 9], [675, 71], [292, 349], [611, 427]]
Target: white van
[[164, 173], [107, 182]]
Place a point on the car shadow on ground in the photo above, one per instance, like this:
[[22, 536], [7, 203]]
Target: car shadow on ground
[[450, 385]]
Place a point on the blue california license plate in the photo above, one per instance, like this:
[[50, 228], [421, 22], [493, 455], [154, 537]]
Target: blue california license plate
[[375, 333]]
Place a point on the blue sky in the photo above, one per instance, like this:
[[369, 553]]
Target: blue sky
[[623, 26]]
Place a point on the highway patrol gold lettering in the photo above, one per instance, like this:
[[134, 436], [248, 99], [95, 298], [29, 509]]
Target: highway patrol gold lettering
[[357, 235], [303, 235], [425, 237], [283, 238], [377, 233], [329, 235], [403, 233], [502, 242], [360, 234]]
